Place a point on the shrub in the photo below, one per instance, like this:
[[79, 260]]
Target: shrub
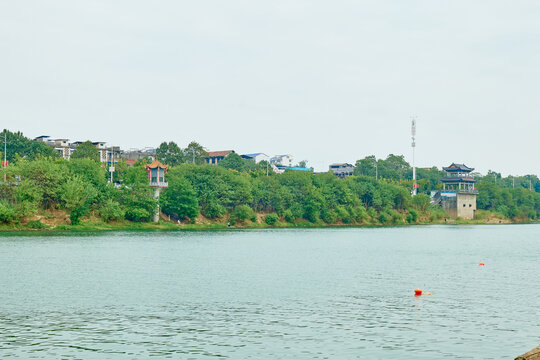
[[421, 201], [242, 213], [311, 211], [7, 213], [289, 216], [35, 224], [396, 217], [329, 216], [297, 211], [137, 214], [111, 210], [412, 216], [271, 219], [384, 218], [214, 210], [372, 213]]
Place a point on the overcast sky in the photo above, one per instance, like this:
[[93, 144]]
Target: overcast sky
[[326, 81]]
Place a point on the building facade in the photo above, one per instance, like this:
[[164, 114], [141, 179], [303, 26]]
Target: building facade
[[257, 157], [214, 157], [283, 160], [342, 170]]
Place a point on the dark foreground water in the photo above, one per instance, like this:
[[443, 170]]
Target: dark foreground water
[[283, 294]]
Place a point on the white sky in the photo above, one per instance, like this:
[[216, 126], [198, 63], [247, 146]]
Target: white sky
[[326, 81]]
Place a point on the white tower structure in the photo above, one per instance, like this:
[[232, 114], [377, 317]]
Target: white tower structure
[[413, 135]]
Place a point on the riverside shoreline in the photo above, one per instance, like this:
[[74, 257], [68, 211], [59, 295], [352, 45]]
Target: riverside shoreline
[[171, 226]]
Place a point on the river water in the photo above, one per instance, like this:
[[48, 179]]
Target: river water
[[272, 294]]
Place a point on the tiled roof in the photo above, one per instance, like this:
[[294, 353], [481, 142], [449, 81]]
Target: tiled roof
[[457, 167], [220, 153], [156, 164]]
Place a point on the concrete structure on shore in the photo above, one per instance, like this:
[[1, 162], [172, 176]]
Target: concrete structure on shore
[[458, 196]]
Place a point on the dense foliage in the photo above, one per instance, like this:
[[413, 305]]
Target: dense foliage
[[22, 147], [238, 191]]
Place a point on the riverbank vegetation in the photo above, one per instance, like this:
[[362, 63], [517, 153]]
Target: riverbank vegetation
[[43, 191]]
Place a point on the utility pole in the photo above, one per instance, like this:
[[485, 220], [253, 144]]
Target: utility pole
[[111, 168], [413, 135], [5, 154]]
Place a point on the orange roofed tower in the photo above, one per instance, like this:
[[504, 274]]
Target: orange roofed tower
[[156, 174]]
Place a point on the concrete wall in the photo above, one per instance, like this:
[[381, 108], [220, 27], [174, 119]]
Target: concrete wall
[[460, 206], [466, 205], [449, 204]]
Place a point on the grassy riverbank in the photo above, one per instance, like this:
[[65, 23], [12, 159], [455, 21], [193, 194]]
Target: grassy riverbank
[[58, 221]]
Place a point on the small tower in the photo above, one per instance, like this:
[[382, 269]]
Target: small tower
[[458, 196], [156, 176]]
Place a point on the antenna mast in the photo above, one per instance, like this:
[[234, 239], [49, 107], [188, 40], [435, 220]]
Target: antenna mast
[[413, 145]]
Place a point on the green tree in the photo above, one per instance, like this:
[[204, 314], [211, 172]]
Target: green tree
[[170, 153], [421, 201], [76, 196], [366, 166], [233, 161], [86, 150], [179, 200], [394, 167], [20, 146], [195, 153]]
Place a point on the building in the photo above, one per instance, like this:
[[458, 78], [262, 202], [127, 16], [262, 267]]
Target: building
[[113, 155], [156, 177], [284, 160], [102, 149], [342, 170], [214, 157], [458, 195], [257, 157], [62, 146], [138, 154], [65, 149]]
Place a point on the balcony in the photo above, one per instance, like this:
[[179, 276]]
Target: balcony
[[159, 184], [460, 191]]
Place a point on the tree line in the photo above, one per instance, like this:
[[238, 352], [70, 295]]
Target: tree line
[[236, 191]]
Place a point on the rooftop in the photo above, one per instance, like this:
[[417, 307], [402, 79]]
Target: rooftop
[[156, 164], [219, 153], [458, 167]]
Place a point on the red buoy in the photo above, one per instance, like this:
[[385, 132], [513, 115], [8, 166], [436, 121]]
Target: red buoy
[[481, 264], [417, 292]]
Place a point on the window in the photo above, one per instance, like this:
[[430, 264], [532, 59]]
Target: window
[[463, 205], [470, 205]]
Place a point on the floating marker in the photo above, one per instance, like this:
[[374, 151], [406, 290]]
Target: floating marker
[[417, 292], [481, 264]]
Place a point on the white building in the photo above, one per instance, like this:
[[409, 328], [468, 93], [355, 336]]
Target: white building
[[257, 157], [284, 160]]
